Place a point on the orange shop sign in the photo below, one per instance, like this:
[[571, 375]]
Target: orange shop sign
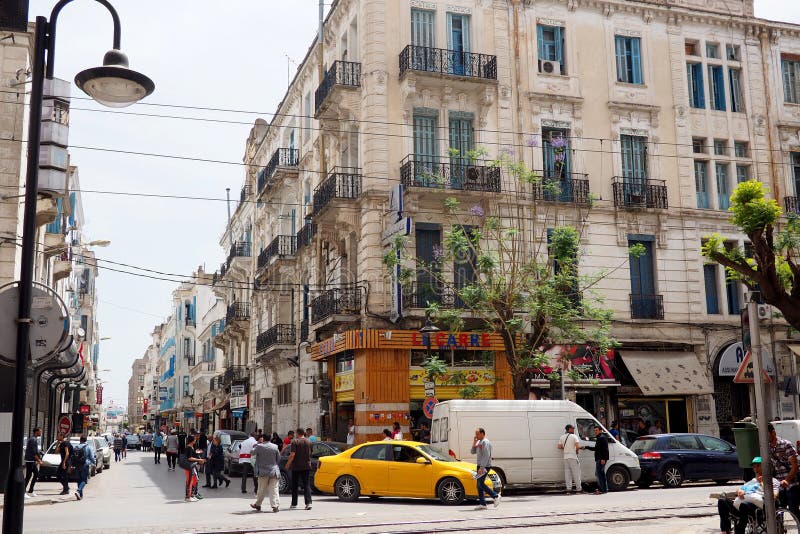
[[461, 340]]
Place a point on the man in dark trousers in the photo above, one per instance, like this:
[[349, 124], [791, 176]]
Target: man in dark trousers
[[62, 473], [300, 464], [600, 458], [33, 459]]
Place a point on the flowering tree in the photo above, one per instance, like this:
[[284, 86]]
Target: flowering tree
[[772, 268], [515, 267]]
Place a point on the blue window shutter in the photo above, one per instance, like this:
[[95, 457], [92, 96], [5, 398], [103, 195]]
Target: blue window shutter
[[723, 188], [559, 44], [72, 202], [450, 43], [636, 59], [732, 294], [701, 188], [194, 307], [712, 298], [540, 41], [214, 330], [719, 76], [465, 32], [620, 48]]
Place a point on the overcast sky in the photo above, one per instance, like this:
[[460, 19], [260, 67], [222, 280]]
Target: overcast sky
[[201, 53]]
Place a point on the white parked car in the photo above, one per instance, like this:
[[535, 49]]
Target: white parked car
[[104, 450]]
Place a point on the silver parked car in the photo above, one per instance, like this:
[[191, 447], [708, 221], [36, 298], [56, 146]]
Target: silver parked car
[[103, 450]]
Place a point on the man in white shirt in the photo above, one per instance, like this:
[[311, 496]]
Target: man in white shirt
[[570, 445], [245, 464], [351, 432]]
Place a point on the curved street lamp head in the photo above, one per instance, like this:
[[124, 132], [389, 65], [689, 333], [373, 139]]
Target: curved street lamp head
[[114, 84]]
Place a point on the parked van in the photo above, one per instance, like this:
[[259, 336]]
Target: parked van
[[524, 436]]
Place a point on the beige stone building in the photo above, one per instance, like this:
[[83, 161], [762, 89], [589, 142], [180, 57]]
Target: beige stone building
[[659, 108]]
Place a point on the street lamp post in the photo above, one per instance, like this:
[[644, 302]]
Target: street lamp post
[[115, 85]]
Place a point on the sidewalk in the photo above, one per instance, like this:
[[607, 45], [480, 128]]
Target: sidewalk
[[47, 496]]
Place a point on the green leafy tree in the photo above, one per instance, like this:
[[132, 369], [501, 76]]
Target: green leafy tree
[[771, 265], [514, 268]]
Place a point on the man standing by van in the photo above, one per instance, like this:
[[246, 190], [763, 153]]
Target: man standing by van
[[482, 447], [600, 459], [569, 443]]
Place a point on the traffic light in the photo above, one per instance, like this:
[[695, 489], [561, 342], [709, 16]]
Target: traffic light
[[144, 417], [14, 15]]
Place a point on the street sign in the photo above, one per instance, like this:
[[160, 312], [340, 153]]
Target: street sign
[[65, 425], [430, 389], [745, 373], [401, 227], [85, 409], [396, 200], [237, 390], [428, 405]]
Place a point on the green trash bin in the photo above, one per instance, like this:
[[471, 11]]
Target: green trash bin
[[745, 434]]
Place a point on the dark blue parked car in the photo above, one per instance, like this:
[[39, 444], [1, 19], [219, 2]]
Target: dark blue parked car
[[673, 458]]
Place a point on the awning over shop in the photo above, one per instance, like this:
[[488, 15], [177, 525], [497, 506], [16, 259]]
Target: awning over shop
[[795, 349], [667, 373]]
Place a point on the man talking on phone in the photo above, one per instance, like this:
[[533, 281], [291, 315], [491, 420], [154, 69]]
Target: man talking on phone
[[482, 447]]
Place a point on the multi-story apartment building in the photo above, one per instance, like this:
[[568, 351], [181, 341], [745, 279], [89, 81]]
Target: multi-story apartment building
[[660, 107], [211, 313], [136, 393]]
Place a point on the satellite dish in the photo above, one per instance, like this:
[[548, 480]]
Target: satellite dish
[[49, 326]]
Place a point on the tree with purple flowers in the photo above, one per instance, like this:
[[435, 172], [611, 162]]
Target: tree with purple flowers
[[510, 263]]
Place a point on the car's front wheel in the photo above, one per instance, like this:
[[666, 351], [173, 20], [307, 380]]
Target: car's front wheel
[[450, 491], [672, 476], [347, 488], [283, 483], [618, 478]]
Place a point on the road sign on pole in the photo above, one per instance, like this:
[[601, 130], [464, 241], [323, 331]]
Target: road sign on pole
[[428, 405], [65, 425], [746, 375], [430, 389]]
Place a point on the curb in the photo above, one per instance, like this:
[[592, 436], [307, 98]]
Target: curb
[[36, 503]]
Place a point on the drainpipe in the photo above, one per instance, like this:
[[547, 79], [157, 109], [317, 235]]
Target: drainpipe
[[763, 39]]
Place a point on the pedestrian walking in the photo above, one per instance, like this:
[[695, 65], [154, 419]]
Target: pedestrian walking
[[181, 440], [396, 432], [245, 464], [482, 448], [217, 463], [570, 445], [288, 439], [124, 445], [276, 439], [118, 444], [310, 435], [82, 460], [784, 467], [209, 442], [65, 449], [299, 463], [189, 460], [33, 459], [600, 449], [267, 458], [351, 432], [172, 445], [158, 444]]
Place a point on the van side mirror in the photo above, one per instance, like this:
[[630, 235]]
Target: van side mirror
[[422, 460]]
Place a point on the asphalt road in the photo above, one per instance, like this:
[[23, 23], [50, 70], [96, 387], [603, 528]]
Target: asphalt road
[[137, 496]]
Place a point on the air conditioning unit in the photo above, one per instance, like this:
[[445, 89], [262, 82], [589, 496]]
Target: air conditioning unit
[[764, 311], [551, 67]]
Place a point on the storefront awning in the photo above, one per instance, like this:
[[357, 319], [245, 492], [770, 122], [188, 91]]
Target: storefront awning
[[667, 373], [795, 349]]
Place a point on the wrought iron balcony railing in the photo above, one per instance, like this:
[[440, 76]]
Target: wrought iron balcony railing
[[234, 373], [451, 62], [345, 73], [639, 193], [792, 205], [282, 157], [337, 301], [280, 334], [421, 294], [647, 306], [280, 247], [569, 188], [306, 234], [343, 182], [190, 321], [240, 249], [439, 173], [238, 311]]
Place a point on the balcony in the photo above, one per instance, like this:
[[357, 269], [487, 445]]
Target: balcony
[[448, 62], [280, 334], [792, 205], [283, 246], [238, 311], [306, 234], [639, 193], [245, 194], [439, 173], [341, 74], [343, 183], [190, 322], [569, 188], [647, 306], [423, 294], [338, 301], [190, 361], [283, 161], [234, 373]]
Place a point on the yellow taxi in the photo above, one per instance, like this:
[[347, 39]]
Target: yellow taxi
[[398, 469]]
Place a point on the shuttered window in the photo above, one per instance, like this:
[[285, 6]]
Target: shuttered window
[[791, 80], [716, 87], [723, 186], [712, 293], [422, 28], [701, 183], [694, 75], [629, 59]]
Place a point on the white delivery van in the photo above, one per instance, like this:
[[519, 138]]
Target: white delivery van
[[524, 436]]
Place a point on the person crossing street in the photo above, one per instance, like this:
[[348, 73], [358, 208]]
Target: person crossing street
[[245, 463], [33, 460], [82, 460], [158, 444], [482, 447], [65, 449]]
